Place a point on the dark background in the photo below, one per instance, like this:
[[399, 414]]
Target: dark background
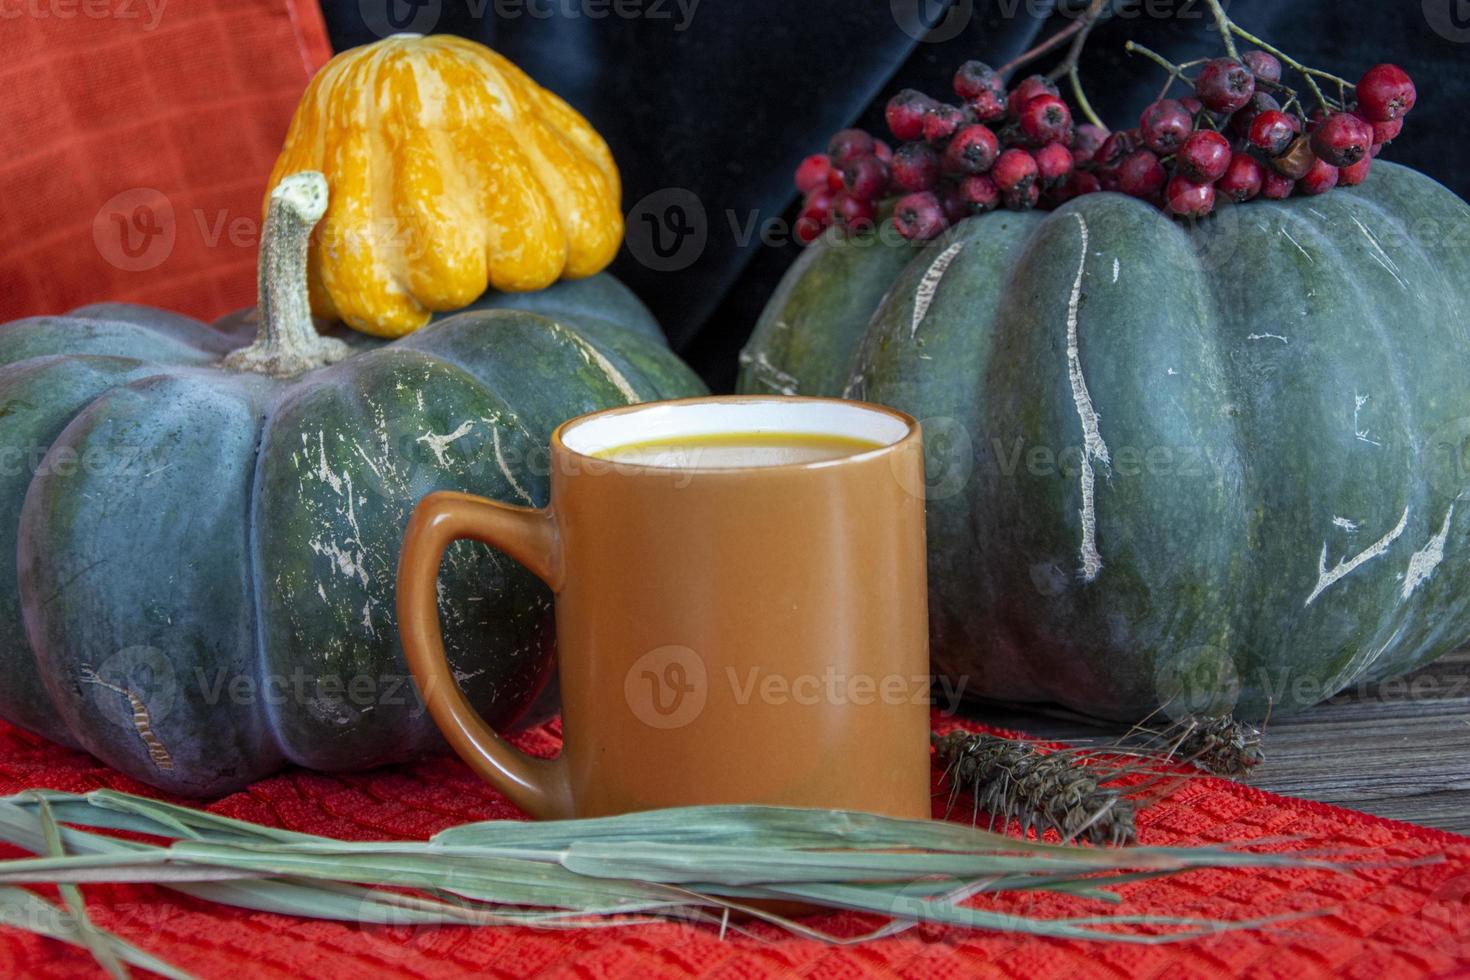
[[708, 111]]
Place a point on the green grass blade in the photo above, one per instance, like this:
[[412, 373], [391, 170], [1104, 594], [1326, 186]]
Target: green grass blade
[[201, 824], [98, 943], [697, 862], [676, 863], [507, 880], [732, 825], [29, 912], [897, 903]]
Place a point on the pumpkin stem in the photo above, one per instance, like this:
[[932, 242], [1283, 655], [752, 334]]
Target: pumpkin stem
[[288, 343]]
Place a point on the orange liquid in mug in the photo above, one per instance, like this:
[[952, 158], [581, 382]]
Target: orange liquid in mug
[[730, 450]]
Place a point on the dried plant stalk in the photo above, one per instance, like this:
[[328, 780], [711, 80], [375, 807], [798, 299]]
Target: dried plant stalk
[[1041, 790], [1220, 746]]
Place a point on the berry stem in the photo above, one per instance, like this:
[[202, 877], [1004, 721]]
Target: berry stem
[[1026, 57], [1078, 30], [1224, 25], [1176, 72], [1081, 97], [1074, 56], [1311, 75], [1178, 76]]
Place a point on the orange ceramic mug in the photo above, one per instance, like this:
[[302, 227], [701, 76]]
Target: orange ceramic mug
[[755, 634]]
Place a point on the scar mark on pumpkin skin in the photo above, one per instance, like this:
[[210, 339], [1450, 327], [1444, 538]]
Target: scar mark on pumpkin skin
[[1092, 441], [1287, 235], [591, 355], [1379, 255], [1350, 527], [1326, 577], [500, 461], [929, 284], [1117, 268], [324, 472], [368, 460], [142, 721], [768, 374], [439, 445], [1266, 336], [1360, 433], [350, 564], [1423, 562]]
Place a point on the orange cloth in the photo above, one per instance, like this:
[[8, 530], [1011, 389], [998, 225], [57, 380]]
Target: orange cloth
[[138, 136], [1404, 919]]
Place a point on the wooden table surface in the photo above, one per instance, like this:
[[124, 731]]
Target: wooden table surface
[[1400, 751]]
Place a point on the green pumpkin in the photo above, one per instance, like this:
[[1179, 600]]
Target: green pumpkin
[[1203, 467], [204, 535]]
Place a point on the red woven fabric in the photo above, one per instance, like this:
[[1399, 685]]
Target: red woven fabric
[[1399, 920], [138, 138]]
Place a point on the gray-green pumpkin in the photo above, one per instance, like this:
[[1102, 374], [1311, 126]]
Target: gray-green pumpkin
[[203, 536], [1206, 466]]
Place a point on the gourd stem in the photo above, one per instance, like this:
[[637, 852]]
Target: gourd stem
[[288, 343]]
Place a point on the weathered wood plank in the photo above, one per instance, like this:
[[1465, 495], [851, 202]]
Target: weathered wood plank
[[1401, 750]]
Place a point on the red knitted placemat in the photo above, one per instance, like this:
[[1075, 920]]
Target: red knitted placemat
[[1400, 919], [139, 135]]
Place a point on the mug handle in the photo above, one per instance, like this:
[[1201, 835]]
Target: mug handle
[[538, 786]]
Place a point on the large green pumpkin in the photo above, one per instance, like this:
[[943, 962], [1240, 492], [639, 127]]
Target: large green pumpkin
[[201, 564], [1204, 466]]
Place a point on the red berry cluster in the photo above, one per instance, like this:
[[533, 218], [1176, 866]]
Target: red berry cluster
[[1235, 139], [843, 185], [1019, 148]]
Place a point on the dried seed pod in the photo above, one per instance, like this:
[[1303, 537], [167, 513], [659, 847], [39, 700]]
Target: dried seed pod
[[1039, 789], [1221, 746]]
